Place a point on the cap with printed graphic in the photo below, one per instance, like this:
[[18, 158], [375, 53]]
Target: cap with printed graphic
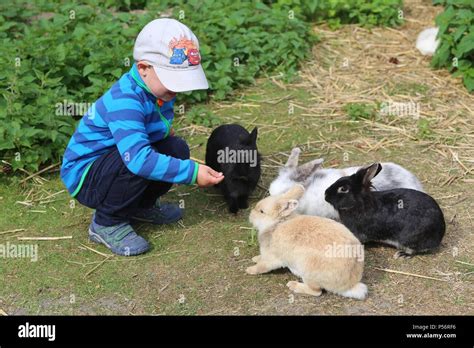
[[173, 51]]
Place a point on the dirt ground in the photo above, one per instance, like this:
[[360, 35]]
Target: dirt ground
[[198, 266]]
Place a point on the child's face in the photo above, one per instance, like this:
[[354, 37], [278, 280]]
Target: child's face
[[149, 76]]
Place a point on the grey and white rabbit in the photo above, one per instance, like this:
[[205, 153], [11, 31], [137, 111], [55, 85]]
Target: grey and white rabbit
[[321, 251], [316, 180]]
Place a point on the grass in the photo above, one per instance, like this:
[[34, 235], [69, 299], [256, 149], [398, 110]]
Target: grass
[[357, 111], [197, 259], [408, 88]]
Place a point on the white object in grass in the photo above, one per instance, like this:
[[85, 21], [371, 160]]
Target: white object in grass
[[426, 42]]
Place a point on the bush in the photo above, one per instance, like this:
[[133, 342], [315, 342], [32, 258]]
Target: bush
[[57, 53], [456, 33], [49, 59], [243, 40], [77, 52], [337, 12]]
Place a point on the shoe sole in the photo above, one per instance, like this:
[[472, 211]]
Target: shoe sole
[[94, 237], [98, 239]]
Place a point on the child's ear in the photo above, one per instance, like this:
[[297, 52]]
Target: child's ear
[[142, 67], [287, 207]]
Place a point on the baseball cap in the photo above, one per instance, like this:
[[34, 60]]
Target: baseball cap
[[173, 51]]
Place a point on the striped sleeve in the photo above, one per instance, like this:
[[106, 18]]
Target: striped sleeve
[[126, 121]]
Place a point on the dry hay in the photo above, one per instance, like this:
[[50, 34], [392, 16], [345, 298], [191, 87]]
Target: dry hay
[[352, 65]]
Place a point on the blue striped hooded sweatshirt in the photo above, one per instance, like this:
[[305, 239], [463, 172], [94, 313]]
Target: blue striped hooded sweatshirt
[[127, 117]]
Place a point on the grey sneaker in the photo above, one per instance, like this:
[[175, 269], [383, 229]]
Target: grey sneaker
[[121, 239]]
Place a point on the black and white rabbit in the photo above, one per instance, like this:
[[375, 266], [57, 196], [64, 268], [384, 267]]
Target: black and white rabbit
[[316, 180], [232, 150], [407, 219]]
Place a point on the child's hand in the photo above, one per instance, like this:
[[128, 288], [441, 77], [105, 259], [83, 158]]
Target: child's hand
[[208, 177]]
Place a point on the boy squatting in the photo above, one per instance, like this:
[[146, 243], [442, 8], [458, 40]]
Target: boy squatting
[[124, 156]]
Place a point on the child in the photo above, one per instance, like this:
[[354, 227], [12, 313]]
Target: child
[[123, 155]]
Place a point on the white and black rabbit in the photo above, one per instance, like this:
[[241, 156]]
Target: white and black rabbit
[[232, 150], [407, 219], [316, 180]]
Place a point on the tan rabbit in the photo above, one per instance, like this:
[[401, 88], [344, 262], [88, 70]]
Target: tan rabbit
[[321, 251]]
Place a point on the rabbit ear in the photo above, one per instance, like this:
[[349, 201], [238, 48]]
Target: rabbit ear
[[249, 139], [368, 173], [311, 166], [292, 161], [253, 137], [304, 171], [296, 192], [287, 207]]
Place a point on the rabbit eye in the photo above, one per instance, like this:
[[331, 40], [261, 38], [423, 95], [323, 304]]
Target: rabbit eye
[[261, 210], [343, 189]]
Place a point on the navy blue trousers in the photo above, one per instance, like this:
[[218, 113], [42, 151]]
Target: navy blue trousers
[[116, 193]]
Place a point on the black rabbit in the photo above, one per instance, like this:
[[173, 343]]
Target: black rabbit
[[407, 219], [233, 151]]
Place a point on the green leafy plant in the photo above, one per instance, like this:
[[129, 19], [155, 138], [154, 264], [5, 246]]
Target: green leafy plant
[[48, 58], [252, 237], [424, 129], [240, 41], [456, 34], [337, 12], [74, 51], [202, 116], [358, 111]]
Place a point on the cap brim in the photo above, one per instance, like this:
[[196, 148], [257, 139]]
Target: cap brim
[[182, 80]]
